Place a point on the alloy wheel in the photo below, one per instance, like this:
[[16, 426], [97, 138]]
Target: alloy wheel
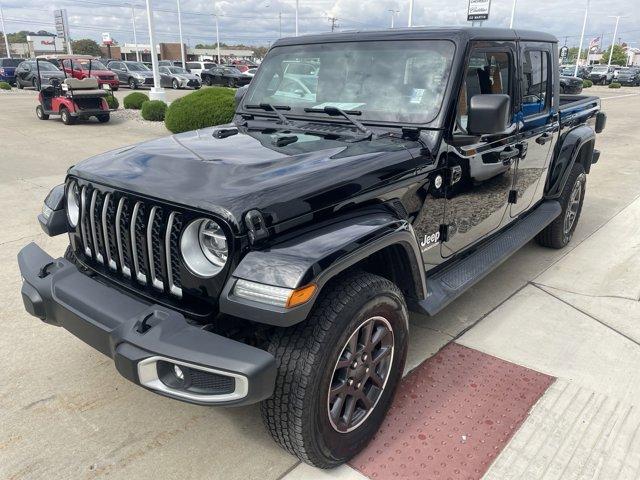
[[360, 374], [573, 207]]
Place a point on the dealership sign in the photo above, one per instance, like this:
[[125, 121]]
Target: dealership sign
[[43, 43], [62, 24], [478, 10], [106, 38]]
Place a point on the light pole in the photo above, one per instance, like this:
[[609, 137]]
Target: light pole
[[297, 7], [157, 92], [584, 25], [393, 16], [513, 13], [135, 35], [4, 34], [410, 22], [217, 37], [180, 33], [615, 34]]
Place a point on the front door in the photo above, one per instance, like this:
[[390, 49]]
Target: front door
[[539, 124], [481, 169]]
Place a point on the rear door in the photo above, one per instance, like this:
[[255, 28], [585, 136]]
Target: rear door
[[539, 123], [481, 169]]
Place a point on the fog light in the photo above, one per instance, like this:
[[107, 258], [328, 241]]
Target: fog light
[[178, 372]]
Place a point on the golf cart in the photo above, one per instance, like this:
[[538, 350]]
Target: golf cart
[[73, 99]]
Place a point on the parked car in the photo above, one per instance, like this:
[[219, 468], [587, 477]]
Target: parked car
[[27, 74], [178, 77], [570, 85], [276, 259], [198, 67], [82, 67], [569, 71], [225, 76], [8, 69], [601, 74], [629, 76], [133, 74], [252, 71]]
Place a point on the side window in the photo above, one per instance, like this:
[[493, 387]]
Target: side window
[[535, 82], [487, 72], [193, 65]]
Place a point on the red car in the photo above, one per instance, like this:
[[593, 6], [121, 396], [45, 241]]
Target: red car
[[84, 66]]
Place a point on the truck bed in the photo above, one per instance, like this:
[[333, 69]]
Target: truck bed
[[577, 108]]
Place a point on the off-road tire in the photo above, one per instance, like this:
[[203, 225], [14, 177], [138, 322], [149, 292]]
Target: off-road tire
[[555, 235], [297, 414], [66, 117], [40, 113]]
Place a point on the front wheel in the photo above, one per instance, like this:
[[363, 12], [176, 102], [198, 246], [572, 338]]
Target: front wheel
[[559, 232], [132, 84], [66, 117], [338, 370], [40, 113], [175, 84], [207, 81]]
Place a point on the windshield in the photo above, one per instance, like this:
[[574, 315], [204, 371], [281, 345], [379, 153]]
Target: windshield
[[600, 69], [209, 66], [137, 67], [232, 71], [47, 67], [177, 70], [10, 62], [95, 65], [393, 81]]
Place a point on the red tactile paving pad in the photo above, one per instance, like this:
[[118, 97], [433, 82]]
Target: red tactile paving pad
[[452, 416]]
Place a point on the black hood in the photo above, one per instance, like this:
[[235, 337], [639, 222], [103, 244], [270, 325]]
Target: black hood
[[232, 175]]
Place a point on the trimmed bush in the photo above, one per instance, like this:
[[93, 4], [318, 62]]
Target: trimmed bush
[[5, 86], [614, 85], [135, 100], [154, 110], [113, 102], [203, 108], [586, 83]]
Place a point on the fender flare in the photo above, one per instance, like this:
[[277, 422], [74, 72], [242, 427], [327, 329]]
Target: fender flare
[[567, 151], [317, 256]]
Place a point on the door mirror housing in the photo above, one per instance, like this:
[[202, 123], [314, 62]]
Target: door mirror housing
[[489, 114], [240, 95]]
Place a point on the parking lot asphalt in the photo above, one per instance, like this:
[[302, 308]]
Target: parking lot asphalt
[[572, 314]]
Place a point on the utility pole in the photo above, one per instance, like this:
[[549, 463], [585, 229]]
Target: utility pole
[[217, 37], [615, 34], [393, 16], [410, 22], [333, 21], [297, 7], [513, 13], [184, 64], [135, 35], [584, 26], [157, 92], [4, 34]]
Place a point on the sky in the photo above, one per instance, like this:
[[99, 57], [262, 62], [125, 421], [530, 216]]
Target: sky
[[256, 22]]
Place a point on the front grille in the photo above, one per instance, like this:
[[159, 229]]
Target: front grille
[[106, 77], [133, 238], [148, 81]]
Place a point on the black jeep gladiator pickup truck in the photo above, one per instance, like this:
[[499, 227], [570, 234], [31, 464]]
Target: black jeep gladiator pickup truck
[[276, 259]]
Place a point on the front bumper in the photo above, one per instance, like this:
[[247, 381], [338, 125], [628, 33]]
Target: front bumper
[[145, 341]]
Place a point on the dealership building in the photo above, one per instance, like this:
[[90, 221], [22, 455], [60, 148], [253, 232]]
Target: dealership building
[[171, 51]]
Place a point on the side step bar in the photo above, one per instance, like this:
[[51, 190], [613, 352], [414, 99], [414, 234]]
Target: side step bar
[[447, 285]]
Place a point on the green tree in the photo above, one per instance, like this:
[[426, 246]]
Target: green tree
[[573, 54], [86, 46], [619, 56]]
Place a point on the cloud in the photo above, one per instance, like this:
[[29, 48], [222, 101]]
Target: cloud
[[258, 21]]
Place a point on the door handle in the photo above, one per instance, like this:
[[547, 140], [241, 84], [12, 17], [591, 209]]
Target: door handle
[[544, 138], [508, 154]]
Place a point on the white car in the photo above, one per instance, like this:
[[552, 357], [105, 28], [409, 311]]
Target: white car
[[198, 67], [251, 72]]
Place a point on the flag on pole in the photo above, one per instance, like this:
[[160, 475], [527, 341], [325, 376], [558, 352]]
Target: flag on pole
[[594, 45]]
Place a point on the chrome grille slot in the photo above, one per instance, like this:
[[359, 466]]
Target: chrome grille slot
[[130, 237]]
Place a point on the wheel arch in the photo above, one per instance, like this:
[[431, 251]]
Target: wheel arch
[[577, 145], [378, 243]]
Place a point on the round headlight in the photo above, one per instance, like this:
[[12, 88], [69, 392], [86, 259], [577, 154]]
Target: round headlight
[[204, 247], [73, 204]]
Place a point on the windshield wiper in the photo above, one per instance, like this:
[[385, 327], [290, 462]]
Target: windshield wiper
[[274, 108], [338, 112]]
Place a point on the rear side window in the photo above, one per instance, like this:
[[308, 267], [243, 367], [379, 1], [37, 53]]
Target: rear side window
[[10, 62], [194, 65], [535, 82]]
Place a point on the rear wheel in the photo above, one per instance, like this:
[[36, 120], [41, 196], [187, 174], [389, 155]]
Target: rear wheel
[[104, 118], [132, 84], [338, 370], [559, 232], [207, 81], [115, 88], [66, 117], [40, 113]]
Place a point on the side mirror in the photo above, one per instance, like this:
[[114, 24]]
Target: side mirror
[[489, 114], [240, 93]]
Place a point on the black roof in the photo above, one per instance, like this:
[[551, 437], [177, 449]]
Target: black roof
[[460, 34]]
